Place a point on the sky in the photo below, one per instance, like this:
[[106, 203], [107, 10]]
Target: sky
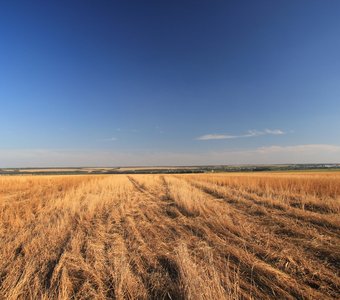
[[135, 83]]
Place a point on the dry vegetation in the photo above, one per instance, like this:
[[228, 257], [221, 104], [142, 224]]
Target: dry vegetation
[[223, 236]]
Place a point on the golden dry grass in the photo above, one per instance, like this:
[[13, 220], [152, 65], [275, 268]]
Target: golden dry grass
[[216, 236]]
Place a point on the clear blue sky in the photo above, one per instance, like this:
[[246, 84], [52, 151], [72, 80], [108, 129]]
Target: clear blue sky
[[169, 82]]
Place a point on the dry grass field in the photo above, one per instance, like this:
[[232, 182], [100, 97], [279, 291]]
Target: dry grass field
[[206, 236]]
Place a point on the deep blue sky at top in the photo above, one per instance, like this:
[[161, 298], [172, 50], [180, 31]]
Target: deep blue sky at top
[[155, 75]]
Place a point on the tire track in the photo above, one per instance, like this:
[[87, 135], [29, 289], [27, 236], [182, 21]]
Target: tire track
[[255, 219], [220, 239]]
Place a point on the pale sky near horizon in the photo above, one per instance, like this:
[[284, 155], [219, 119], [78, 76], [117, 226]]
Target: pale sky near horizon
[[119, 83]]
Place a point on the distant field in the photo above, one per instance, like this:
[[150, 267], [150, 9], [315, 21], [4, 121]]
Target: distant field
[[47, 170], [156, 168], [172, 169], [197, 236], [56, 170], [99, 170]]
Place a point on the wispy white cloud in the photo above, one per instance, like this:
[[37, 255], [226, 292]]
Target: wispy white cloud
[[249, 133], [274, 131], [213, 136]]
